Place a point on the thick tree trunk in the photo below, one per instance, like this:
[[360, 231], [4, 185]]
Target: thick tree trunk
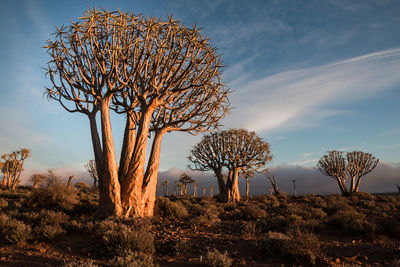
[[132, 187], [111, 204], [232, 187], [5, 179], [221, 184]]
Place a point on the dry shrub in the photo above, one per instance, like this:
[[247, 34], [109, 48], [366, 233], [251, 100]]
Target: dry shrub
[[121, 238], [175, 210], [336, 203], [251, 212], [182, 247], [217, 259], [53, 197], [298, 246], [280, 223], [353, 222], [48, 232], [49, 217], [82, 187], [12, 230], [3, 203], [134, 259]]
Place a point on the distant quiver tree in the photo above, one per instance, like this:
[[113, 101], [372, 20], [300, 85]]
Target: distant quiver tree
[[160, 75], [12, 167], [235, 152], [353, 167]]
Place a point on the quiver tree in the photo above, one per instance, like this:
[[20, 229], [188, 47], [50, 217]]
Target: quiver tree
[[12, 167], [185, 179], [37, 179], [166, 183], [91, 168], [354, 166], [235, 151], [161, 75]]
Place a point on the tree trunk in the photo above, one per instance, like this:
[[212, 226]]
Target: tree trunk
[[132, 187], [128, 146], [111, 204], [232, 187], [221, 184], [35, 185], [150, 183]]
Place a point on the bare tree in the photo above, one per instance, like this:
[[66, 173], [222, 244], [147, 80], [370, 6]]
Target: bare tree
[[271, 179], [238, 151], [12, 167], [37, 179], [161, 75], [398, 187], [91, 168], [355, 165], [175, 187]]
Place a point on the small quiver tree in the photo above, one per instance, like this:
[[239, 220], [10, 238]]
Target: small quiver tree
[[166, 183], [185, 179], [161, 75], [37, 179], [358, 165], [236, 151]]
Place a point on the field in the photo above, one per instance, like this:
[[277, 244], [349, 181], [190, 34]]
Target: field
[[57, 226]]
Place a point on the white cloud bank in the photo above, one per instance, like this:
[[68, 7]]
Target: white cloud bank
[[299, 97]]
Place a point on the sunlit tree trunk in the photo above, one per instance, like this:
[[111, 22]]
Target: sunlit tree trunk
[[111, 187]]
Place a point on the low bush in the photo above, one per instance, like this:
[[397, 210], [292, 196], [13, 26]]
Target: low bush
[[298, 246], [3, 203], [251, 212], [49, 232], [121, 238], [53, 197], [217, 259], [134, 259], [12, 230], [169, 209]]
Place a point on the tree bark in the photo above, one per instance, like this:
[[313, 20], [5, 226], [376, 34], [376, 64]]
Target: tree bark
[[150, 183], [232, 187], [111, 204], [128, 146], [132, 187]]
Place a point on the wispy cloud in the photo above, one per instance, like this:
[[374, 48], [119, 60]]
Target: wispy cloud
[[299, 97]]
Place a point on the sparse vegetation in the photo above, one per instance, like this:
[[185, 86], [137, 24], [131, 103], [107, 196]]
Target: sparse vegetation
[[262, 230]]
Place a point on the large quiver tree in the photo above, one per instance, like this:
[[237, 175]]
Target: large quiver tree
[[237, 151], [161, 75]]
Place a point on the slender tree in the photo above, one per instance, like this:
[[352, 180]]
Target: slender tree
[[204, 190], [166, 187], [211, 191], [237, 151], [91, 168], [161, 75], [195, 188], [355, 165]]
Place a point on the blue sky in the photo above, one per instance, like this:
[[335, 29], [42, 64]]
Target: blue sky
[[308, 76]]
